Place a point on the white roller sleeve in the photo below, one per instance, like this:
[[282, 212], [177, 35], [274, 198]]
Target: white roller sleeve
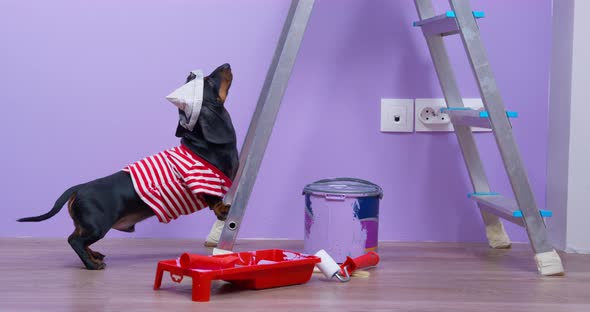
[[328, 266], [217, 251]]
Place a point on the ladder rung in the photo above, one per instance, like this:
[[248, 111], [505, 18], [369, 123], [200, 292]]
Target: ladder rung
[[465, 116], [499, 205], [503, 207], [444, 24]]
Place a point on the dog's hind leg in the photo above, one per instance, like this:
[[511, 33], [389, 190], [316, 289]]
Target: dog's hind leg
[[85, 235], [81, 241]]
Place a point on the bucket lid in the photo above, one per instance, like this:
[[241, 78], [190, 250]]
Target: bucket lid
[[344, 186]]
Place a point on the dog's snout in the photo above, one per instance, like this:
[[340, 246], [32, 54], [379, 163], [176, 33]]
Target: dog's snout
[[225, 66]]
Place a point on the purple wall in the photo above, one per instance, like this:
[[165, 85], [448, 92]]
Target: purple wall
[[82, 86]]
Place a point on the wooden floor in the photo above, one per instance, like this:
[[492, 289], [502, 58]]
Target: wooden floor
[[45, 275]]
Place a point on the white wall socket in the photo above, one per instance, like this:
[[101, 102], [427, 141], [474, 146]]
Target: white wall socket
[[429, 118], [397, 115]]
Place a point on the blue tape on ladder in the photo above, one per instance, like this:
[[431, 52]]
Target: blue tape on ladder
[[485, 114], [544, 213], [479, 14], [476, 14], [482, 194], [451, 14], [482, 114]]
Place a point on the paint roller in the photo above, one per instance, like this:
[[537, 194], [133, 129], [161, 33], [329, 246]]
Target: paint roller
[[331, 269]]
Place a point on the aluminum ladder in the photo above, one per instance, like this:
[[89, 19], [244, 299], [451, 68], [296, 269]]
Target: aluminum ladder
[[461, 20]]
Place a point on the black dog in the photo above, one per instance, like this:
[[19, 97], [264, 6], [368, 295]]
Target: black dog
[[112, 201]]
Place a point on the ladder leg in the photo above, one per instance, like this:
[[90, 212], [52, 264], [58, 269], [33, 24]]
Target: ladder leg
[[264, 117], [548, 261], [495, 232]]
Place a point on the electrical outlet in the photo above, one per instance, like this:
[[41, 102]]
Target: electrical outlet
[[397, 115], [432, 116], [430, 119]]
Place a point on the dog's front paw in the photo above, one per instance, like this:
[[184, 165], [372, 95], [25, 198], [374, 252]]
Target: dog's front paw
[[221, 210]]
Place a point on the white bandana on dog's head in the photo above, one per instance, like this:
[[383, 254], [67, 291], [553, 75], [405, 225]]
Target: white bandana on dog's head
[[189, 99]]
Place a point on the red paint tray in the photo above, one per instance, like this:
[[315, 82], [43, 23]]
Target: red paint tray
[[251, 270]]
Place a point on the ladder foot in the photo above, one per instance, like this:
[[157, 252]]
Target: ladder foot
[[213, 237], [549, 263], [497, 236], [210, 244], [500, 244]]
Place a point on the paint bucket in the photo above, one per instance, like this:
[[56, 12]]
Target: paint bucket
[[341, 217]]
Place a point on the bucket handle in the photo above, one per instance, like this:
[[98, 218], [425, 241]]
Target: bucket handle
[[339, 197]]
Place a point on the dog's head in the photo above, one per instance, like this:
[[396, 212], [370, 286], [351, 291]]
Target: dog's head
[[214, 124], [217, 84]]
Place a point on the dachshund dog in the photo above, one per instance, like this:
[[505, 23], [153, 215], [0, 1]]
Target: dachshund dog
[[122, 199]]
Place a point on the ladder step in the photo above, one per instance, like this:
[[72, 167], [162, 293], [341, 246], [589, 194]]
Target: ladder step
[[498, 205], [465, 116], [503, 207], [444, 24]]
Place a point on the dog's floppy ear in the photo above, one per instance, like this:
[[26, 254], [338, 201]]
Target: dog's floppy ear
[[216, 126]]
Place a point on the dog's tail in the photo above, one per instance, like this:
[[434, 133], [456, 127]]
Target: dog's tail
[[56, 208]]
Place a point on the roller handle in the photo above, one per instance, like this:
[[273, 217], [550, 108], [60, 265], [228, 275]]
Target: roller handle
[[367, 260]]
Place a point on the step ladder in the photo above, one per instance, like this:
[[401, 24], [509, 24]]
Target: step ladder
[[462, 21]]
